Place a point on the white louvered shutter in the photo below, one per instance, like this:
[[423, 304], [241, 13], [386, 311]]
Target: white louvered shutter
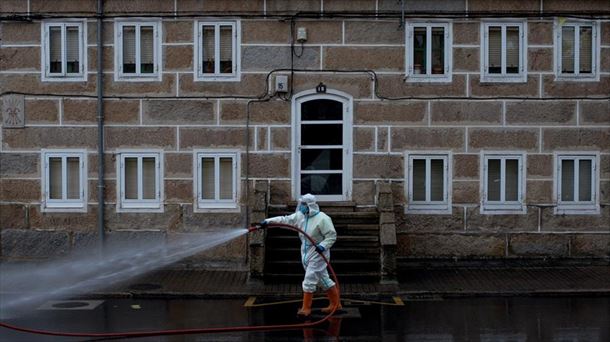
[[586, 49], [208, 190], [226, 178], [493, 179], [73, 175], [437, 179], [147, 49], [208, 50], [512, 50], [131, 178], [226, 49], [55, 49], [494, 50], [129, 49], [72, 49], [567, 49]]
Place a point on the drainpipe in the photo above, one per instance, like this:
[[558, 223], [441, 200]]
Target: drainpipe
[[100, 126]]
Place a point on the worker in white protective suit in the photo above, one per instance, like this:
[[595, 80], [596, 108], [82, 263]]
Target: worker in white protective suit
[[319, 226]]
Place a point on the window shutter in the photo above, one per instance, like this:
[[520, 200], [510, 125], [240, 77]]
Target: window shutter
[[131, 178], [438, 50], [567, 180], [584, 180], [208, 43], [586, 49], [73, 180], [146, 45], [129, 45], [226, 43], [567, 49], [511, 180], [437, 181], [55, 50], [419, 180], [149, 178], [512, 48], [207, 179], [493, 180], [55, 178], [226, 178], [494, 48], [72, 44]]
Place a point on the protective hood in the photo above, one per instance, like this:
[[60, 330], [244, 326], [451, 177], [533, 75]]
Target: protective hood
[[310, 201]]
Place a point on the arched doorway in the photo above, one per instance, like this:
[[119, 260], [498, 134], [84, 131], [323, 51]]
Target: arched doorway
[[322, 145]]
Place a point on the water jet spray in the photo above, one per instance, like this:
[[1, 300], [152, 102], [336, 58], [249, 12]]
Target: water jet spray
[[132, 334]]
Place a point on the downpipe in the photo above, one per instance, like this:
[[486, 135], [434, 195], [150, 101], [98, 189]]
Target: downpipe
[[247, 328]]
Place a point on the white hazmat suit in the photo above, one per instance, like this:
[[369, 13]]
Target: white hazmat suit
[[320, 227]]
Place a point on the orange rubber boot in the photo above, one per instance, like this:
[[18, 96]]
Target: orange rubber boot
[[305, 310], [333, 298]]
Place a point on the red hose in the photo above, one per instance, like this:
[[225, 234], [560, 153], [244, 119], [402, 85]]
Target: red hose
[[196, 330]]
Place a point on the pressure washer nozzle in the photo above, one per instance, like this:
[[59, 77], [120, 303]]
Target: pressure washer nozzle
[[252, 229]]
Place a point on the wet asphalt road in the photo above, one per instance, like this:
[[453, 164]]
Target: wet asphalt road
[[434, 319]]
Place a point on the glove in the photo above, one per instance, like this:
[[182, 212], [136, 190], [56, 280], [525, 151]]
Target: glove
[[320, 249], [264, 224]]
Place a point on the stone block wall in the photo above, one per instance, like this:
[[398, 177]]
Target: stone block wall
[[523, 119]]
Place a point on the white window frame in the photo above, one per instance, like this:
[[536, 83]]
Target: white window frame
[[520, 77], [139, 205], [216, 76], [428, 207], [216, 204], [503, 206], [64, 205], [577, 207], [409, 50], [46, 75], [119, 75], [596, 52]]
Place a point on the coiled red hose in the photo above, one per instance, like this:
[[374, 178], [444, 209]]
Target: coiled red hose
[[131, 334]]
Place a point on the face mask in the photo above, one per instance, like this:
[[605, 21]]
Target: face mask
[[303, 209]]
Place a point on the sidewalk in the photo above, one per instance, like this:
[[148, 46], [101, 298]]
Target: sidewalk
[[583, 280]]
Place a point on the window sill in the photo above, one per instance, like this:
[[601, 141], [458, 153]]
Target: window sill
[[139, 208], [503, 79], [422, 209], [229, 78], [57, 208], [503, 210], [576, 210], [567, 78], [217, 209], [128, 78], [414, 78], [75, 78]]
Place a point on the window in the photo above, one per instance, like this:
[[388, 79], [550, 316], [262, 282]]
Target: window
[[576, 50], [217, 45], [503, 184], [64, 52], [137, 50], [576, 183], [140, 182], [428, 53], [216, 184], [64, 180], [428, 184], [503, 52]]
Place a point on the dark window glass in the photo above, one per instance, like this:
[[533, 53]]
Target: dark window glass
[[326, 159], [322, 184], [493, 180], [321, 110], [419, 180], [419, 50], [322, 134]]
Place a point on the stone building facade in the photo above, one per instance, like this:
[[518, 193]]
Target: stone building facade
[[477, 120]]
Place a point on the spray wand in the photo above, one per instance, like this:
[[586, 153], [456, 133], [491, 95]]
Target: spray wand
[[132, 334]]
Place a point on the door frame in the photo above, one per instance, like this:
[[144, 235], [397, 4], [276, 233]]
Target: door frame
[[347, 101]]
